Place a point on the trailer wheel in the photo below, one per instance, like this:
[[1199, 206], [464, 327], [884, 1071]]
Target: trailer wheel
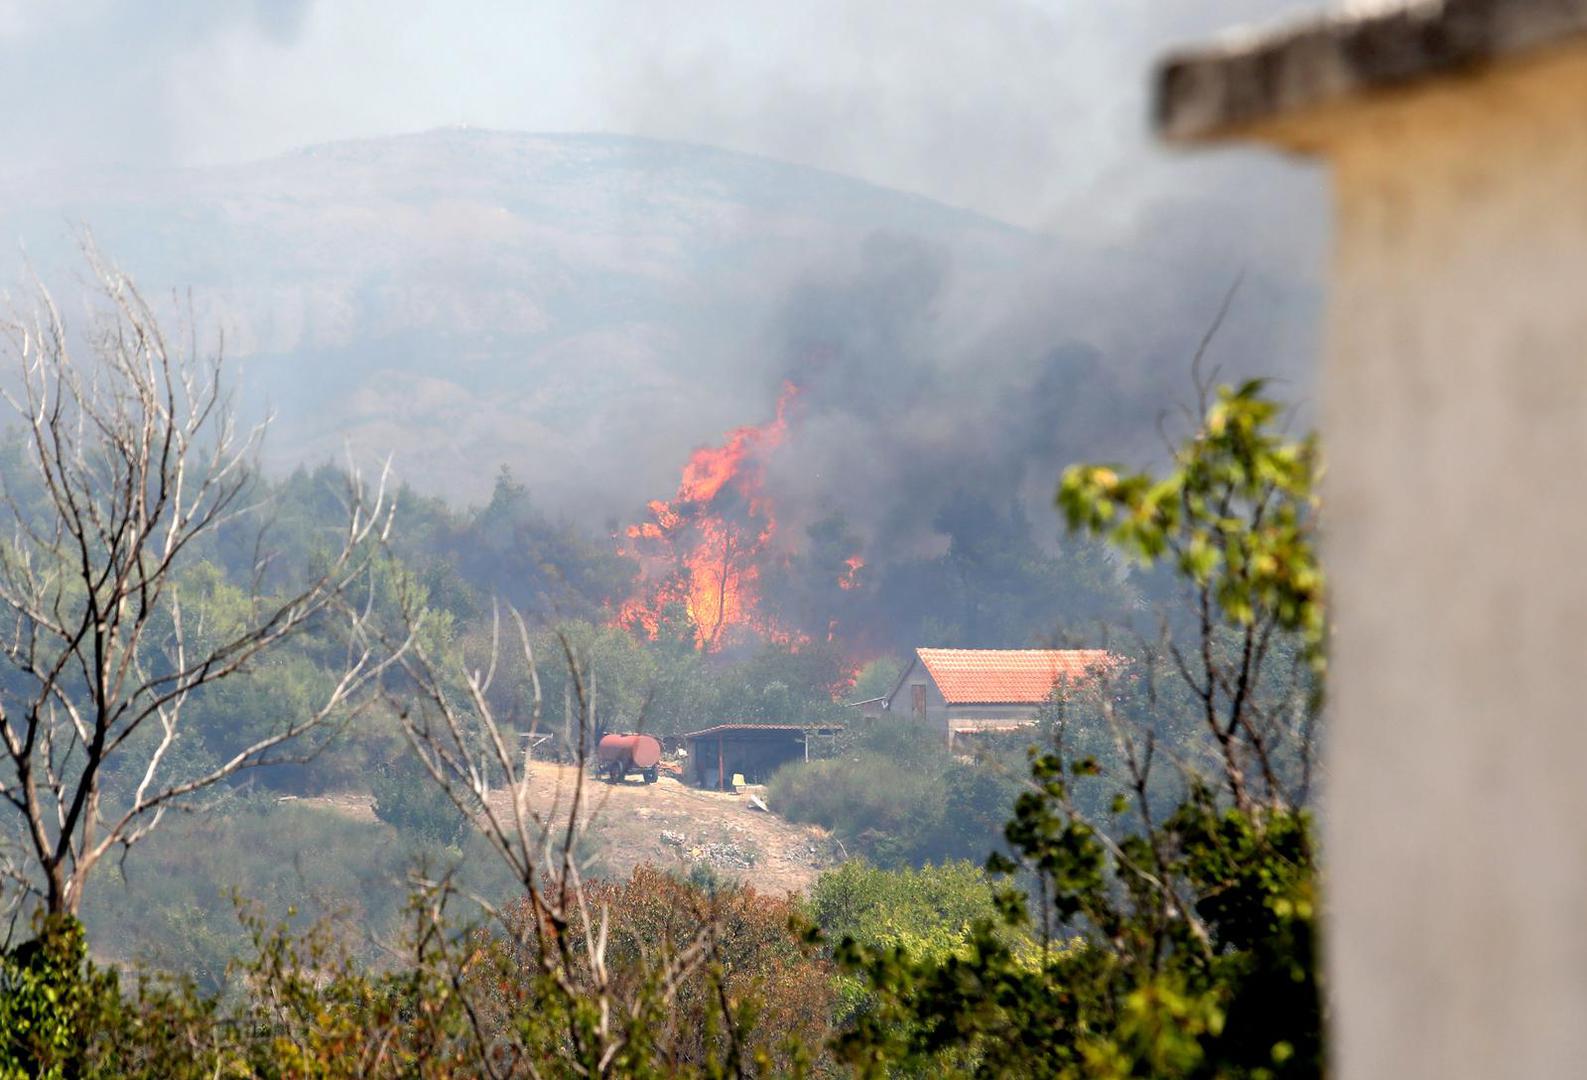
[[614, 775], [650, 776]]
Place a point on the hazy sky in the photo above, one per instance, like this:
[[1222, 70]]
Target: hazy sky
[[1030, 110]]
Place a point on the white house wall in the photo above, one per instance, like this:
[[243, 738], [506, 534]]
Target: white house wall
[[941, 718]]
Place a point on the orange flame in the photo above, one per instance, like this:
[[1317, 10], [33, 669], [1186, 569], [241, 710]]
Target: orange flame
[[703, 550], [850, 578]]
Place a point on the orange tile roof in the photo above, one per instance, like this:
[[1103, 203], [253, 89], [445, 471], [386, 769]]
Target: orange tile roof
[[1007, 676]]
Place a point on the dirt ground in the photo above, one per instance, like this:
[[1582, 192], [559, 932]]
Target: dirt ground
[[672, 825]]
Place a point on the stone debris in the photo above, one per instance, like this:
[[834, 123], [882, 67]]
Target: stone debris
[[728, 855]]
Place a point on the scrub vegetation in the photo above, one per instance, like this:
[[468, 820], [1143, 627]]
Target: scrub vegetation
[[201, 658]]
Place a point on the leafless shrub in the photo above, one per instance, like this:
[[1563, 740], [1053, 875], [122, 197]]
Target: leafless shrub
[[557, 934], [130, 453]]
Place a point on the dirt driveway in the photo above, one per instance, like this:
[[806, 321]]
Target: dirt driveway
[[670, 824]]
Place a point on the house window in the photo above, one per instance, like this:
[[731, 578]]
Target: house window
[[917, 703]]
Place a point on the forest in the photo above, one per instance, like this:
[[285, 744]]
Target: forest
[[203, 658]]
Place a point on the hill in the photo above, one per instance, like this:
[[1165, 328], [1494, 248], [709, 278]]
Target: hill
[[588, 308], [492, 296]]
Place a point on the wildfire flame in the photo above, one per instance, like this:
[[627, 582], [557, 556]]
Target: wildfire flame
[[703, 550], [850, 578]]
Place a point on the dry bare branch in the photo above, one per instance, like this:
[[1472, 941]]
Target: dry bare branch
[[132, 452]]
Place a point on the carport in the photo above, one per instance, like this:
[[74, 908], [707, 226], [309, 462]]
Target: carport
[[717, 753]]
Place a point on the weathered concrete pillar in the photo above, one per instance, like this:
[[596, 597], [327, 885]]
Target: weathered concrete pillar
[[1455, 426]]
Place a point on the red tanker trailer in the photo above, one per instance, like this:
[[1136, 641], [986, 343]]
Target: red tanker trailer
[[618, 755]]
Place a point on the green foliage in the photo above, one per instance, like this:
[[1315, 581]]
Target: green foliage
[[47, 1001], [755, 958], [1224, 986], [170, 909], [625, 674], [1234, 515], [1177, 934], [669, 687], [929, 912], [899, 799], [464, 1001], [307, 1012], [876, 678], [513, 551], [409, 801], [779, 684], [928, 915], [823, 589], [1137, 923], [998, 585]]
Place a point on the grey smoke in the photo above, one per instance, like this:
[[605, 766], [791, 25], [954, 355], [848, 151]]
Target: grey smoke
[[96, 81], [1032, 112], [925, 379], [935, 353]]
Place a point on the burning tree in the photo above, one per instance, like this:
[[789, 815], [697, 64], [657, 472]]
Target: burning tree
[[704, 549]]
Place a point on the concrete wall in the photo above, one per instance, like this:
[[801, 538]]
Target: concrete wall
[[900, 705], [976, 717], [941, 718], [1456, 434]]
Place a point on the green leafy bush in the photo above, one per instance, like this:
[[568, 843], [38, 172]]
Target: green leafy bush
[[929, 911], [171, 906], [47, 1001], [926, 914], [1175, 940], [409, 801], [900, 800]]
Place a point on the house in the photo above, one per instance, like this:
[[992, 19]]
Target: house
[[958, 692], [754, 751], [1454, 395]]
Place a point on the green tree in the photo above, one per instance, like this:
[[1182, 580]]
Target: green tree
[[48, 997], [998, 585], [406, 800], [514, 551], [824, 589], [1170, 945], [900, 800], [781, 684], [140, 460], [876, 678]]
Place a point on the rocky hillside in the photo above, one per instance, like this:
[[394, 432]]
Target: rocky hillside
[[587, 308]]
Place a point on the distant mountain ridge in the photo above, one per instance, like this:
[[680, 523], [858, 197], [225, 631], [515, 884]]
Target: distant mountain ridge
[[467, 297], [588, 308]]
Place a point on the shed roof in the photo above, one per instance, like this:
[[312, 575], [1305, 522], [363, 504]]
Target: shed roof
[[1214, 91], [1007, 676], [742, 729]]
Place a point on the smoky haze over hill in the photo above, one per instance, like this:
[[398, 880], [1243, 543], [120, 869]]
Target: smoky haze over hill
[[1031, 111], [586, 309]]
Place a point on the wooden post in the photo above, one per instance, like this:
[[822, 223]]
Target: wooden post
[[721, 774]]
